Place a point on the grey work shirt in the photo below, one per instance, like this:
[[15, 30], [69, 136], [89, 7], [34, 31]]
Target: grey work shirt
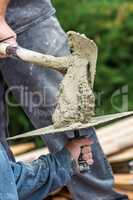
[[22, 13]]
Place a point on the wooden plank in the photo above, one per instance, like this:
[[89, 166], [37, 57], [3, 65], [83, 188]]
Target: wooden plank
[[120, 167], [110, 130], [125, 155], [118, 142], [60, 198], [121, 125], [117, 136], [65, 193], [22, 148], [124, 181], [61, 194], [57, 198], [29, 157], [128, 193]]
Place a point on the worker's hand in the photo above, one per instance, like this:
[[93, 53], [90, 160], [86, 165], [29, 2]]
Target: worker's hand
[[74, 147], [5, 33]]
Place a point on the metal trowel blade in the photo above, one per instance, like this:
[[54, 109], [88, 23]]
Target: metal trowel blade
[[95, 121]]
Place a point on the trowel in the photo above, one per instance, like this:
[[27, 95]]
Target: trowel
[[76, 100]]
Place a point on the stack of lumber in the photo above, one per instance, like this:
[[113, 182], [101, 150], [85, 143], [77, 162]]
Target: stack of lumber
[[22, 148], [117, 136], [116, 140]]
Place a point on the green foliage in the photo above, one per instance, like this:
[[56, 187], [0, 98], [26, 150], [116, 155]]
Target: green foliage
[[110, 24], [19, 123]]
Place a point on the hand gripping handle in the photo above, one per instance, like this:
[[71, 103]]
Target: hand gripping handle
[[83, 165]]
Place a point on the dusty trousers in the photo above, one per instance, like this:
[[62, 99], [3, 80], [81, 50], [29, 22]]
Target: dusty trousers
[[42, 86]]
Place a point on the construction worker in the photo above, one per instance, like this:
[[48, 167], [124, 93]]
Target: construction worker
[[19, 181], [34, 26]]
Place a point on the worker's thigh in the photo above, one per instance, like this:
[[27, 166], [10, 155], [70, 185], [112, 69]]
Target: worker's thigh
[[34, 87]]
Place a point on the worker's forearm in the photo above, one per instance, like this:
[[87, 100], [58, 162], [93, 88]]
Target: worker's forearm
[[43, 176], [3, 7]]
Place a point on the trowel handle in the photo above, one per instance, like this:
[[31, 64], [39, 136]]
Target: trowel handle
[[29, 56], [83, 165]]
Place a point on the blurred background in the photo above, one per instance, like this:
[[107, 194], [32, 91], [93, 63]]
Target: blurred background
[[110, 24]]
